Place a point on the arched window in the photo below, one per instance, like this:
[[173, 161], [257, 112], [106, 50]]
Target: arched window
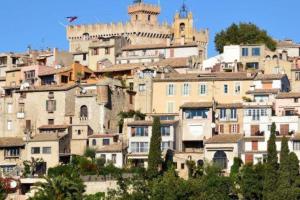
[[94, 142], [268, 57], [83, 111], [220, 159], [149, 18], [85, 36], [182, 26], [275, 57]]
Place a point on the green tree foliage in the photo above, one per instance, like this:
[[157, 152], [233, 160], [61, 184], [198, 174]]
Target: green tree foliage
[[169, 187], [243, 33], [59, 188], [251, 182], [271, 173], [137, 115], [90, 153], [97, 196], [154, 158], [3, 192]]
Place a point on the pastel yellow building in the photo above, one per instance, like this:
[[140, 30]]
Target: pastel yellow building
[[170, 91]]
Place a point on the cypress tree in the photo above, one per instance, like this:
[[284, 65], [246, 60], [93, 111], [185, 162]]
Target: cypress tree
[[284, 182], [271, 172], [154, 158]]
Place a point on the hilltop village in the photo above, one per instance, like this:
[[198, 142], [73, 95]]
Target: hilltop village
[[104, 93]]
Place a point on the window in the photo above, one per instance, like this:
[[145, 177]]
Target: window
[[223, 113], [103, 156], [221, 128], [114, 158], [9, 125], [50, 121], [29, 74], [107, 51], [220, 159], [165, 146], [170, 89], [95, 51], [12, 152], [254, 145], [234, 128], [284, 129], [35, 150], [182, 27], [252, 65], [170, 107], [9, 108], [196, 113], [233, 114], [141, 131], [296, 145], [244, 51], [202, 89], [21, 108], [94, 142], [79, 132], [149, 18], [64, 79], [46, 150], [84, 56], [136, 17], [142, 87], [182, 165], [139, 147], [296, 100], [50, 105], [105, 142], [237, 88], [186, 89], [165, 131], [297, 76], [84, 111], [225, 89], [256, 51]]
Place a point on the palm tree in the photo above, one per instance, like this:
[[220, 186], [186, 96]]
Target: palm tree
[[59, 188]]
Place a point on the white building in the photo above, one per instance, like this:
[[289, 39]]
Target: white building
[[139, 137]]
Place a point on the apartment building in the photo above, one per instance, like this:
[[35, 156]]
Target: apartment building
[[170, 91], [139, 136]]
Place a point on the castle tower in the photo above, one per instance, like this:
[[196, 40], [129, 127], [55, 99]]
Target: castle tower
[[143, 13], [183, 26]]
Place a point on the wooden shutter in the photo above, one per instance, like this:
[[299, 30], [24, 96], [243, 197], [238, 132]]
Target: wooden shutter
[[132, 131], [238, 128], [254, 145], [221, 128], [284, 129], [254, 129], [28, 124], [248, 158], [230, 128]]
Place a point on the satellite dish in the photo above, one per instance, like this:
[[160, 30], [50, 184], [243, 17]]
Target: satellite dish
[[83, 91], [217, 115], [213, 125], [13, 184]]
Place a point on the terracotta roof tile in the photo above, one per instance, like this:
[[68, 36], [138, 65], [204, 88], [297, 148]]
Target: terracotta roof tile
[[172, 62], [63, 126], [216, 76], [197, 105], [158, 46], [11, 142], [263, 91], [121, 67], [42, 88], [287, 95], [224, 138], [149, 123], [269, 76], [111, 148], [102, 135], [230, 105], [47, 137]]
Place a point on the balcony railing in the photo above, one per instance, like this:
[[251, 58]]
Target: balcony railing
[[258, 133], [83, 119], [20, 115]]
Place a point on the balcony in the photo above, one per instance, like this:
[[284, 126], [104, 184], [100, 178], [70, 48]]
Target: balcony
[[258, 133], [20, 115], [83, 119]]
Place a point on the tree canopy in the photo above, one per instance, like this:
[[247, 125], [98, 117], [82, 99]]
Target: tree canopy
[[243, 33]]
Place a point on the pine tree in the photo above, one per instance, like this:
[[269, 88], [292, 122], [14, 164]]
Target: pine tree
[[154, 158], [271, 173]]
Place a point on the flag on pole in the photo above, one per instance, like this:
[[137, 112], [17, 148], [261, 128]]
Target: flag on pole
[[71, 18]]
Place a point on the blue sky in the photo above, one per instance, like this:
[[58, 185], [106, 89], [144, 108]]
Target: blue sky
[[38, 22]]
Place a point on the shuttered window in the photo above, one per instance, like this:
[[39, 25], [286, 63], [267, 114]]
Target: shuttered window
[[284, 129], [254, 130], [248, 158], [254, 145]]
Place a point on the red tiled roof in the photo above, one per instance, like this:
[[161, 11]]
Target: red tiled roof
[[197, 105], [11, 142], [149, 123], [54, 127], [225, 138], [158, 46], [287, 95], [111, 148], [102, 135]]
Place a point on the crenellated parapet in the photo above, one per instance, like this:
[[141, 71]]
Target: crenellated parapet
[[142, 7]]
